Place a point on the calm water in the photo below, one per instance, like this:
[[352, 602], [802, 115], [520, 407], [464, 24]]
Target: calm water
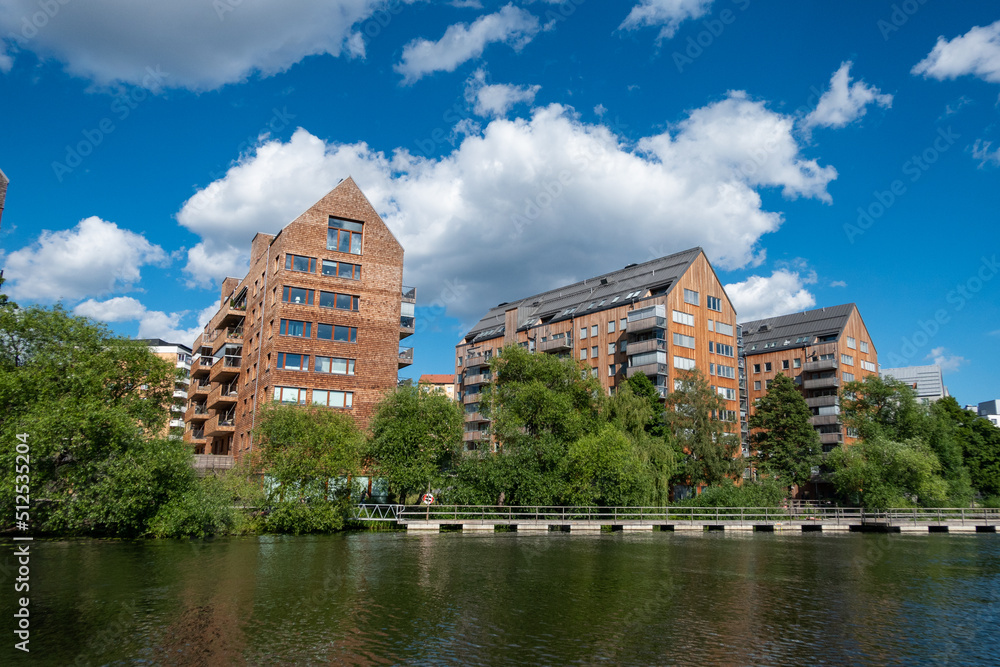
[[393, 598]]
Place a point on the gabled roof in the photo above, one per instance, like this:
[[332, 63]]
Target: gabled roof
[[795, 330], [592, 295], [436, 379]]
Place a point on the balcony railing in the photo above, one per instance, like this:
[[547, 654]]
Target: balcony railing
[[472, 398], [561, 344], [475, 417], [652, 345], [831, 438], [407, 325], [476, 378], [475, 436], [823, 365], [824, 420], [648, 369], [405, 356], [821, 401], [409, 294], [647, 324], [822, 383]]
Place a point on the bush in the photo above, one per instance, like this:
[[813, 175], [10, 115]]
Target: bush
[[298, 518], [765, 493]]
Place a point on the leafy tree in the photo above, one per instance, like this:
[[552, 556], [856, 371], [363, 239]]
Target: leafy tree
[[308, 456], [227, 503], [710, 450], [605, 468], [763, 493], [642, 386], [416, 438], [786, 444], [879, 473], [640, 417], [978, 441], [882, 407]]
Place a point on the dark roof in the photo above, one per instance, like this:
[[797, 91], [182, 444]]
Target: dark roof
[[159, 342], [794, 330], [592, 295]]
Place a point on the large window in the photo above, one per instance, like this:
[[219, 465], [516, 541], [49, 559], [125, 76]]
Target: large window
[[725, 371], [293, 362], [690, 296], [868, 366], [684, 341], [337, 333], [342, 270], [848, 377], [335, 365], [713, 303], [724, 329], [333, 399], [300, 263], [338, 301], [847, 359], [344, 236], [684, 318], [726, 393], [864, 346], [851, 343], [297, 295], [720, 348], [290, 395], [683, 363], [296, 328]]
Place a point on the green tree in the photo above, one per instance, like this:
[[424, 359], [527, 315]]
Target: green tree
[[416, 439], [879, 473], [709, 448], [640, 417], [786, 444], [308, 456], [882, 407], [979, 443]]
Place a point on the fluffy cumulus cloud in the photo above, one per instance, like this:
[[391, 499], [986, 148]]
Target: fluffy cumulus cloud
[[152, 323], [525, 204], [196, 44], [665, 14], [462, 42], [845, 102], [977, 52], [93, 258], [949, 363], [782, 292], [496, 99]]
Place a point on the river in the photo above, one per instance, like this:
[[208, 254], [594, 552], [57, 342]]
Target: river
[[509, 599]]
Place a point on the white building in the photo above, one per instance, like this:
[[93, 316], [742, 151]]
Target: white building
[[926, 381]]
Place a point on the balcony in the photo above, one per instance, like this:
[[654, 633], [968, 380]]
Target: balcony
[[472, 398], [556, 345], [407, 325], [476, 378], [473, 360], [409, 294], [824, 420], [646, 324], [200, 387], [225, 368], [176, 423], [405, 356], [233, 314], [821, 401], [651, 345], [475, 436], [230, 335], [195, 436], [822, 383], [196, 412], [220, 425], [651, 370], [475, 417], [206, 463], [201, 365], [831, 438], [180, 393], [223, 396], [824, 365]]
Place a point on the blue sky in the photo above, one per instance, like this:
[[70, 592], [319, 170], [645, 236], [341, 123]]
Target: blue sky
[[820, 152]]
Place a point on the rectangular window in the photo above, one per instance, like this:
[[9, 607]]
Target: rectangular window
[[583, 333], [756, 385], [725, 371], [724, 329], [784, 364], [622, 324], [726, 393], [797, 363], [756, 368], [611, 370], [690, 296], [720, 348], [337, 333], [683, 363], [767, 384], [333, 399], [290, 395], [297, 295], [864, 346], [338, 301], [296, 328], [593, 352], [335, 365], [767, 366], [684, 341], [711, 325], [851, 343], [344, 236], [622, 345], [711, 369], [847, 359], [341, 270], [611, 326], [293, 362], [645, 358], [611, 348], [684, 318], [848, 377], [300, 263], [583, 353], [713, 303], [593, 330], [868, 366]]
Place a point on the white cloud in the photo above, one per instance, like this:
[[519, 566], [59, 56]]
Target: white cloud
[[534, 200], [948, 362], [93, 258], [6, 61], [838, 283], [981, 151], [462, 42], [666, 13], [977, 52], [496, 99], [200, 45], [783, 292], [152, 323], [600, 110], [844, 101]]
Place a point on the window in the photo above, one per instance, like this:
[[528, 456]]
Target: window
[[683, 363], [767, 384], [593, 352], [720, 348], [296, 328], [293, 362], [826, 357], [868, 366], [711, 369], [583, 333], [684, 341], [848, 377], [337, 333], [583, 353], [622, 324], [684, 318], [290, 395], [851, 343], [611, 326], [726, 393], [344, 236], [611, 370], [690, 296], [797, 363], [767, 366], [297, 295], [713, 303], [756, 368], [622, 345], [711, 325], [647, 358], [333, 399], [593, 330], [864, 346], [784, 364], [847, 359], [334, 365], [611, 348], [724, 329], [725, 371], [756, 385], [338, 301], [300, 263], [342, 270]]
